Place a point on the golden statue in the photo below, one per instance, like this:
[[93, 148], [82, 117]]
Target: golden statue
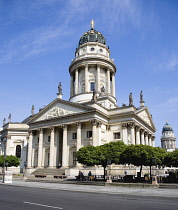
[[92, 24]]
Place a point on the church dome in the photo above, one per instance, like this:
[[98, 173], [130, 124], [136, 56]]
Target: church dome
[[167, 127], [92, 36]]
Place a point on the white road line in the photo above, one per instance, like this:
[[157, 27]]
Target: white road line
[[38, 204]]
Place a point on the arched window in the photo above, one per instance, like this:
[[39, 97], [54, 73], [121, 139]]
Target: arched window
[[18, 151]]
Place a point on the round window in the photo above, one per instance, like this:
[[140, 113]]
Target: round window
[[92, 49], [101, 50]]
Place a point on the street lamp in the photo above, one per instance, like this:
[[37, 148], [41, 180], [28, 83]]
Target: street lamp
[[25, 166], [3, 180]]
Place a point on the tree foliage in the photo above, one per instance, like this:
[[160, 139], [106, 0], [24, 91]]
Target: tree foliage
[[12, 161], [171, 159]]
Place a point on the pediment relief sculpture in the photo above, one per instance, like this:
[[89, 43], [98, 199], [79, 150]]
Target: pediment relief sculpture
[[58, 111], [145, 117]]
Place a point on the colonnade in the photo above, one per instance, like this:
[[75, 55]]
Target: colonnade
[[54, 139], [133, 134], [110, 77]]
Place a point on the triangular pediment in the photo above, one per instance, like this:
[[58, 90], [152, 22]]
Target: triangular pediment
[[59, 108], [145, 116]]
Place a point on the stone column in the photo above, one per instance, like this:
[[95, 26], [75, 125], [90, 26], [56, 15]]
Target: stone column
[[51, 155], [65, 158], [29, 157], [149, 140], [146, 138], [86, 78], [124, 133], [113, 85], [142, 137], [40, 148], [7, 144], [153, 141], [71, 85], [137, 135], [98, 78], [79, 140], [94, 135], [76, 81], [132, 126], [98, 125], [108, 80]]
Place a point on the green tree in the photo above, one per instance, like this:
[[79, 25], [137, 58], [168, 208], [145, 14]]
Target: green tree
[[171, 159], [101, 155], [12, 161]]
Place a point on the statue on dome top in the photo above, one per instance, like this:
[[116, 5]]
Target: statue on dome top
[[60, 88], [9, 118], [130, 99], [92, 24]]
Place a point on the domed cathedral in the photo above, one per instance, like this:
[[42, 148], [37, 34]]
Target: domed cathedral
[[93, 70], [90, 116], [168, 139]]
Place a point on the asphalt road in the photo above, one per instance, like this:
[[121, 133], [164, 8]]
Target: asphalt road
[[13, 197]]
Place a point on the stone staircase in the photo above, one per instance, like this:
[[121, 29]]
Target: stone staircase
[[44, 172], [168, 186]]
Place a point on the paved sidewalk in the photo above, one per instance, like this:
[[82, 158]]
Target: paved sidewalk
[[172, 193]]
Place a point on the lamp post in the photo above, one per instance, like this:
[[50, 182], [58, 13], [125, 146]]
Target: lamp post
[[3, 180], [25, 166]]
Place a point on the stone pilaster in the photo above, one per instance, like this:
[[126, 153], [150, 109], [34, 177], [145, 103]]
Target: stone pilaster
[[51, 155], [29, 157], [40, 148]]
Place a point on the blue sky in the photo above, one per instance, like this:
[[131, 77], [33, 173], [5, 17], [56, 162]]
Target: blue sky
[[38, 40]]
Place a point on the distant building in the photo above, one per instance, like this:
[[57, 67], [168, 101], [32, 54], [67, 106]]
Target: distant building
[[168, 139], [90, 116]]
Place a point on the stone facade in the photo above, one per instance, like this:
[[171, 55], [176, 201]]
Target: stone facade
[[90, 117]]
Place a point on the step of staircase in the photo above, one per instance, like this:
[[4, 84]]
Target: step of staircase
[[168, 186], [49, 171]]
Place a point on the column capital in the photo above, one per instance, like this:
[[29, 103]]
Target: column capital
[[149, 135], [124, 125], [63, 126], [8, 137], [108, 127], [30, 132], [142, 130], [78, 124], [86, 65], [98, 65], [137, 128], [98, 124], [52, 129], [131, 125], [94, 122], [40, 130], [146, 133]]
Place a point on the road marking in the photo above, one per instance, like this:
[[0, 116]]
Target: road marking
[[38, 204]]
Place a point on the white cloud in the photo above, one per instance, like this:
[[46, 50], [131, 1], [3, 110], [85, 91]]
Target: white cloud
[[168, 62], [171, 105]]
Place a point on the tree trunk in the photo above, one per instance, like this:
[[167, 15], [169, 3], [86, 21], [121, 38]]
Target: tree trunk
[[140, 171], [104, 173]]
